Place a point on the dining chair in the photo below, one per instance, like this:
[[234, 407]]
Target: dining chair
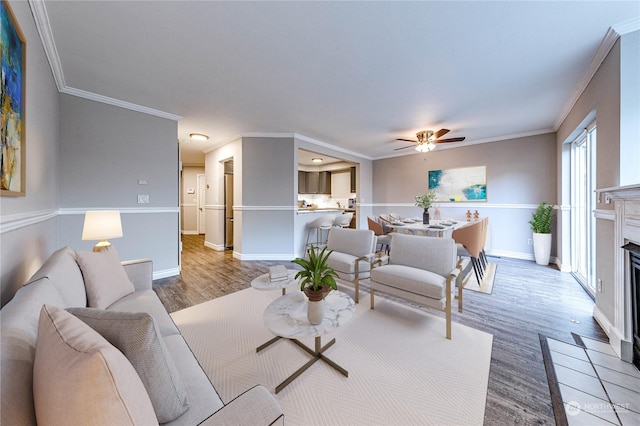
[[383, 239], [469, 243]]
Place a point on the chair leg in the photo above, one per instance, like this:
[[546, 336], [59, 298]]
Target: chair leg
[[447, 308], [357, 286], [371, 293], [476, 269]]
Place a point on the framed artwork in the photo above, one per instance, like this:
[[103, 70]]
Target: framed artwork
[[459, 185], [12, 98]]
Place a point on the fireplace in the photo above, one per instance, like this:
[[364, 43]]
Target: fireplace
[[634, 275]]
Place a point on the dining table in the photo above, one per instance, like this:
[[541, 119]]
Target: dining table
[[435, 228]]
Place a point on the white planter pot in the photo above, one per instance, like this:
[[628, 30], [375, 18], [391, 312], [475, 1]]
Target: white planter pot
[[315, 312], [542, 248]]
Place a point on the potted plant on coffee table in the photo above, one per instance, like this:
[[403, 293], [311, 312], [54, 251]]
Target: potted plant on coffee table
[[424, 201], [541, 226], [317, 279]]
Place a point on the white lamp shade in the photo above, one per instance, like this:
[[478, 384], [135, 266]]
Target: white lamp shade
[[102, 225]]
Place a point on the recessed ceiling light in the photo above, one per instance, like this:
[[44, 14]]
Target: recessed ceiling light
[[199, 136], [316, 160]]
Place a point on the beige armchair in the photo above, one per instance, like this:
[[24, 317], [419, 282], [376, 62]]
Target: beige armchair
[[353, 252], [421, 270]]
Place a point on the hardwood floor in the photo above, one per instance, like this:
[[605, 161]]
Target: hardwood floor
[[527, 300]]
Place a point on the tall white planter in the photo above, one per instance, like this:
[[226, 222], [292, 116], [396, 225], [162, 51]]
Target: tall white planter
[[542, 248]]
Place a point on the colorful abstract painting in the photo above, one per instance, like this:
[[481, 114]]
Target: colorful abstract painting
[[12, 132], [459, 185]]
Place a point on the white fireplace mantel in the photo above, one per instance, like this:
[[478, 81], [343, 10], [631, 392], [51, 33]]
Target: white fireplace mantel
[[626, 201]]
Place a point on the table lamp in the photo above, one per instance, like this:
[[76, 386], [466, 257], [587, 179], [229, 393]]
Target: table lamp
[[101, 225]]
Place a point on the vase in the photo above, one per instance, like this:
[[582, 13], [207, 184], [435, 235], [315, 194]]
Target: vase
[[542, 248], [425, 217], [315, 306], [315, 312]]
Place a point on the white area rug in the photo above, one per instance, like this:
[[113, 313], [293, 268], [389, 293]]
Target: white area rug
[[402, 370]]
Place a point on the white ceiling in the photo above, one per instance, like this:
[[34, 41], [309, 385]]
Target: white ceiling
[[356, 75]]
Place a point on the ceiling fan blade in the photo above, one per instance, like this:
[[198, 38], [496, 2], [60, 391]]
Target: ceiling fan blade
[[450, 140], [441, 133], [405, 147], [407, 140]]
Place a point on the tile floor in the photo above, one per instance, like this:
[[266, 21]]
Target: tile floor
[[596, 387]]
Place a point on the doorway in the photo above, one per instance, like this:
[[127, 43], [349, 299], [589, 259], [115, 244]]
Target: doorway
[[228, 204], [201, 214]]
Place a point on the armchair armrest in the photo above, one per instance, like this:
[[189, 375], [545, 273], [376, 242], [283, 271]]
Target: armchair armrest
[[256, 406], [140, 273], [454, 272], [379, 261]]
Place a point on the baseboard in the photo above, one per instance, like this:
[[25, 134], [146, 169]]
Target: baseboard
[[270, 256], [166, 273], [216, 247], [190, 232], [511, 254], [622, 347]]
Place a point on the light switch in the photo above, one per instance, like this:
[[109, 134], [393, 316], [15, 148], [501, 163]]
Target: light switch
[[142, 181], [143, 199]]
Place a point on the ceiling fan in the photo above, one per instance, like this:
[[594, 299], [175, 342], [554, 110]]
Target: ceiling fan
[[427, 140]]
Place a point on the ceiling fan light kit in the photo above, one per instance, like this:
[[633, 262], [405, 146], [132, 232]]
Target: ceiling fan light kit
[[428, 139]]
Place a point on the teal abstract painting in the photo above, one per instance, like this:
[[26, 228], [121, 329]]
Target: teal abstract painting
[[459, 185]]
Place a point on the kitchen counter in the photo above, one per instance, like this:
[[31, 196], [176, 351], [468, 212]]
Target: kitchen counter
[[302, 210]]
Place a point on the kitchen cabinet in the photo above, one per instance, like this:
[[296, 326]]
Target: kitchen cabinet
[[314, 182], [324, 186], [302, 182]]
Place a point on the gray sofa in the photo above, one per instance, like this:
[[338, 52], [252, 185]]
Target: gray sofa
[[59, 282]]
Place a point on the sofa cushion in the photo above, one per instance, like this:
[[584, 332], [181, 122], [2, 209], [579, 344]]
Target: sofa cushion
[[64, 274], [203, 398], [78, 377], [104, 277], [138, 338], [18, 334], [357, 242], [147, 301], [410, 279]]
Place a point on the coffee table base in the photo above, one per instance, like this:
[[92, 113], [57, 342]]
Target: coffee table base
[[317, 354]]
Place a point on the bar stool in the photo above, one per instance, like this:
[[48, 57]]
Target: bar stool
[[319, 224], [343, 220]]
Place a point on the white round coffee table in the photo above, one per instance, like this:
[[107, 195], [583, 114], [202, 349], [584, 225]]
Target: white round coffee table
[[287, 317]]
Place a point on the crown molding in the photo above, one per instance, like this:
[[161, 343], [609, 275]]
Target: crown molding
[[117, 102], [41, 18], [605, 47]]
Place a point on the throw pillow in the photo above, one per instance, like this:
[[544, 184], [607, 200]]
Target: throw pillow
[[104, 277], [78, 377], [136, 335]]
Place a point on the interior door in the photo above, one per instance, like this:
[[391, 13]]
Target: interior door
[[228, 211], [201, 204]]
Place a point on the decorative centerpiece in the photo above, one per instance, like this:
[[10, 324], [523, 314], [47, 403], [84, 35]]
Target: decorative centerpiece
[[317, 280], [541, 226], [424, 201]]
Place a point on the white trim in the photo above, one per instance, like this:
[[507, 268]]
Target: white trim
[[305, 139], [119, 103], [511, 254], [216, 247], [22, 220], [166, 273], [190, 232], [604, 214], [123, 210], [607, 43], [214, 207], [623, 348], [264, 208], [271, 256], [41, 18], [474, 205]]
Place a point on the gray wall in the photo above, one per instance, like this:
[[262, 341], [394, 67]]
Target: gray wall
[[618, 119], [520, 173], [28, 224], [104, 152]]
